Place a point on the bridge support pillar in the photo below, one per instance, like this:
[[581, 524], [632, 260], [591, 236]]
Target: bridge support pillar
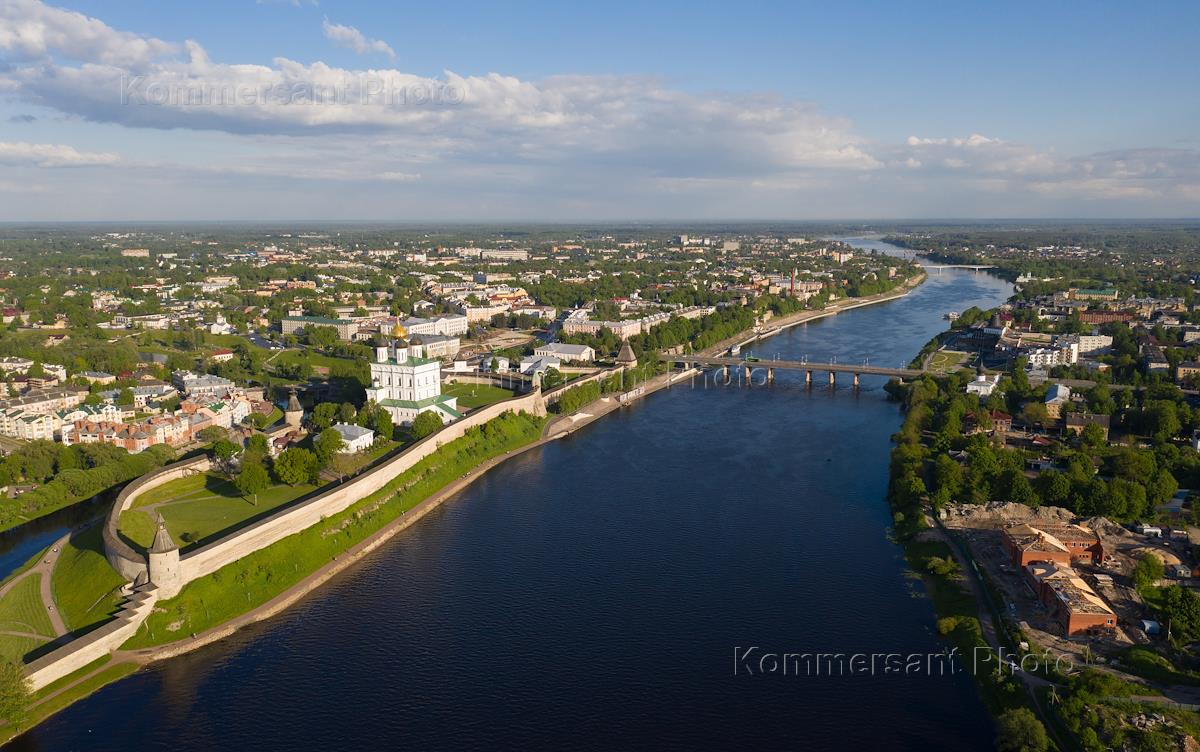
[[725, 374], [770, 375], [856, 381], [746, 374], [832, 378], [808, 378]]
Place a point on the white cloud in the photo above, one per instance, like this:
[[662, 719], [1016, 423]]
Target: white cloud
[[502, 141], [32, 30], [51, 155], [352, 38]]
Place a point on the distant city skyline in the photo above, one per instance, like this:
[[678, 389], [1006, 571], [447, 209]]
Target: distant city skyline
[[297, 109]]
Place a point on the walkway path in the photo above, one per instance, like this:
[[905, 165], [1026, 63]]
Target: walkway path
[[44, 569]]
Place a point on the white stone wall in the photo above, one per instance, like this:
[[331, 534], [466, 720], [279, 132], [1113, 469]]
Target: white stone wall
[[229, 549]]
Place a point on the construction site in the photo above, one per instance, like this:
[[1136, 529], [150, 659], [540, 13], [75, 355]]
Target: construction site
[[1066, 583]]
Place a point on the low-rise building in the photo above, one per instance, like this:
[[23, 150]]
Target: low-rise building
[[1076, 606], [354, 438], [346, 328], [1057, 396], [1056, 543], [566, 353], [1076, 422]]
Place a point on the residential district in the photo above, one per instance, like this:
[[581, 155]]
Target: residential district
[[241, 378]]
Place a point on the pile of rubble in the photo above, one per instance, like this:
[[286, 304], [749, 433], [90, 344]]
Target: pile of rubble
[[1149, 720], [1004, 512]]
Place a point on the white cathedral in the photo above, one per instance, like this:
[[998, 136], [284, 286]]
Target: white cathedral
[[406, 384]]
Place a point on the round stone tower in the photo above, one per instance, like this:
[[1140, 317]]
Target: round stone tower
[[294, 413], [164, 563]]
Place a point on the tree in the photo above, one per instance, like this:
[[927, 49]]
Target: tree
[[1093, 435], [1019, 730], [212, 434], [252, 480], [381, 423], [295, 466], [327, 444], [346, 413], [552, 378], [1148, 571], [425, 424], [224, 451], [1035, 414], [323, 415], [256, 447], [15, 692], [125, 397]]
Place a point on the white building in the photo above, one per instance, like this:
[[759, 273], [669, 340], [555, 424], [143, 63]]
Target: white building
[[536, 365], [983, 385], [406, 384], [446, 325], [566, 353], [1088, 344], [355, 438]]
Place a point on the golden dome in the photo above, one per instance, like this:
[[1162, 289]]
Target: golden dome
[[399, 331]]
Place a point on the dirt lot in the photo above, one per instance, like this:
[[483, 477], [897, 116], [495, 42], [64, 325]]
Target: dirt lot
[[981, 528]]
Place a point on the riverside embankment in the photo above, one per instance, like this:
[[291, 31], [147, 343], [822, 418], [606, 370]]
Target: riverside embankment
[[577, 577]]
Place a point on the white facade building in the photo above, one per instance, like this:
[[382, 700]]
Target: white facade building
[[406, 384], [567, 353], [355, 438], [983, 385]]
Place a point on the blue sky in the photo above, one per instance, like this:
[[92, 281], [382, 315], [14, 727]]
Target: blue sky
[[610, 111]]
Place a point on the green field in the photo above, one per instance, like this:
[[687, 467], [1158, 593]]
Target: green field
[[477, 395], [86, 588], [14, 648], [198, 507], [945, 361], [22, 610]]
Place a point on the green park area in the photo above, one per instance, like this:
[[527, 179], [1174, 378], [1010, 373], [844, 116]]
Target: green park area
[[24, 625], [947, 361], [198, 508], [86, 588], [471, 396]]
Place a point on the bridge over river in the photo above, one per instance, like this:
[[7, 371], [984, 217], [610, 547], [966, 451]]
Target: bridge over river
[[808, 367]]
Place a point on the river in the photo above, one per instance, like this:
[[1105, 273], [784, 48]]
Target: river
[[592, 593]]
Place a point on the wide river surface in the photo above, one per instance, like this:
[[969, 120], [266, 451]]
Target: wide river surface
[[594, 593]]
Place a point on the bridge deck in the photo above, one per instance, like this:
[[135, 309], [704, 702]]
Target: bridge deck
[[795, 365]]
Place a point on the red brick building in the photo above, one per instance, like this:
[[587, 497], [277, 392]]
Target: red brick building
[[1055, 543], [1076, 607]]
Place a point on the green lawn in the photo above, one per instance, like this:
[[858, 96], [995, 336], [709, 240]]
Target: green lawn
[[14, 649], [945, 361], [198, 507], [22, 610], [477, 395], [86, 588], [1145, 662]]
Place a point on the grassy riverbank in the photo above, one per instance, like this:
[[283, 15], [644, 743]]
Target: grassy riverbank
[[254, 580]]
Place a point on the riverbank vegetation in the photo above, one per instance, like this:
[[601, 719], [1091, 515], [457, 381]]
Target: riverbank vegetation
[[263, 575], [68, 475], [949, 449]]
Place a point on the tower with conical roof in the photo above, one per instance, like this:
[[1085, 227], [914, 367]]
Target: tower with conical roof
[[163, 560], [294, 413], [626, 357]]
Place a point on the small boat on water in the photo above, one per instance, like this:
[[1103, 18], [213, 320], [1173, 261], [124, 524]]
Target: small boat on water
[[951, 316]]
